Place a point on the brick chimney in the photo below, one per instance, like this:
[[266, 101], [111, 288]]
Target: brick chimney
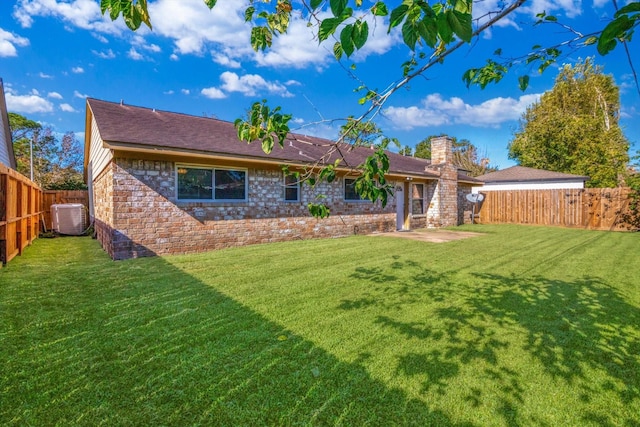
[[444, 211]]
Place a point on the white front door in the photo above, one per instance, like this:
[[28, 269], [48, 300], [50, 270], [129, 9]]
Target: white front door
[[399, 205]]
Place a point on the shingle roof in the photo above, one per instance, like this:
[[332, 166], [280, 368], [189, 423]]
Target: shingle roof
[[524, 174], [149, 128]]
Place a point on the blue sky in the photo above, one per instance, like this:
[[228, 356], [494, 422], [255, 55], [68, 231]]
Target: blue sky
[[55, 53]]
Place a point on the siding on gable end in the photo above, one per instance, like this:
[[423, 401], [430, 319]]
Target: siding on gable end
[[4, 153], [99, 156]]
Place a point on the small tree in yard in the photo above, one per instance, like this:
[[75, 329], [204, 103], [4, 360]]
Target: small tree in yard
[[574, 128], [57, 165]]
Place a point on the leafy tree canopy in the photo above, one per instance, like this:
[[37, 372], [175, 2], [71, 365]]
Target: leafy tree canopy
[[574, 128], [465, 155], [57, 163]]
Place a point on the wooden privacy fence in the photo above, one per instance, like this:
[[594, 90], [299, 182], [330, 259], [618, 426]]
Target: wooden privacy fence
[[53, 197], [591, 208], [20, 209]]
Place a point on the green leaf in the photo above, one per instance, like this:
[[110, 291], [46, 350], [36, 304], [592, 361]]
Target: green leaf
[[267, 144], [397, 16], [615, 30], [327, 28], [463, 6], [379, 9], [551, 18], [346, 39], [314, 4], [337, 7], [523, 82], [428, 30], [210, 3], [104, 5], [545, 65], [444, 28], [261, 38], [460, 24], [591, 40], [337, 50], [360, 33], [631, 7], [248, 13], [410, 34]]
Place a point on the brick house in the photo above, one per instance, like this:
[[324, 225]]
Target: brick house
[[167, 183]]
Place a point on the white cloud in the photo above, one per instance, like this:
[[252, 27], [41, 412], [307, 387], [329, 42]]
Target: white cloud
[[191, 25], [108, 54], [298, 48], [168, 92], [8, 43], [213, 93], [251, 84], [436, 111], [67, 108], [571, 8], [44, 76], [83, 14], [185, 91], [135, 55], [153, 48], [100, 38], [77, 70], [77, 94], [54, 95], [33, 103], [225, 60], [174, 57], [140, 43]]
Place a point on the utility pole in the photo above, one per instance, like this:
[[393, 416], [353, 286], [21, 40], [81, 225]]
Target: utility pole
[[31, 155]]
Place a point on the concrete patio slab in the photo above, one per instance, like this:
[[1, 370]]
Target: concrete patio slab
[[433, 236]]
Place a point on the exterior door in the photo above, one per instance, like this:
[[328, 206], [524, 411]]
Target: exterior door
[[399, 205]]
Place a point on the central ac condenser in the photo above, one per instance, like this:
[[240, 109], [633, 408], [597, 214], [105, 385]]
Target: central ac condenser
[[68, 218]]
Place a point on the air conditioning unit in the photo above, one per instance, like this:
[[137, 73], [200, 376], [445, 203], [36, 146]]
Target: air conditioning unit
[[68, 218]]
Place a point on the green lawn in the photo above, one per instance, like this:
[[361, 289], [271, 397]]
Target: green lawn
[[524, 326]]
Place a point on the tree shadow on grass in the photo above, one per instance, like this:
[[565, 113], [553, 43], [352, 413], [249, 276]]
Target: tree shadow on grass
[[572, 328], [144, 343]]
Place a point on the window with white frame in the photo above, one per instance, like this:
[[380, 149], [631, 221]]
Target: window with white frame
[[210, 183], [417, 199], [350, 192], [291, 188]]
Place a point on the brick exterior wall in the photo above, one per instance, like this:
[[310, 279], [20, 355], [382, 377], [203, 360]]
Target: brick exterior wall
[[103, 207], [137, 214], [465, 207]]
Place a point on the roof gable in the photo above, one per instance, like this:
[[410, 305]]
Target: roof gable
[[122, 125], [525, 174]]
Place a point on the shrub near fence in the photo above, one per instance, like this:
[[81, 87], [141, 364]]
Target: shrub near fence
[[53, 197], [591, 208], [20, 213]]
